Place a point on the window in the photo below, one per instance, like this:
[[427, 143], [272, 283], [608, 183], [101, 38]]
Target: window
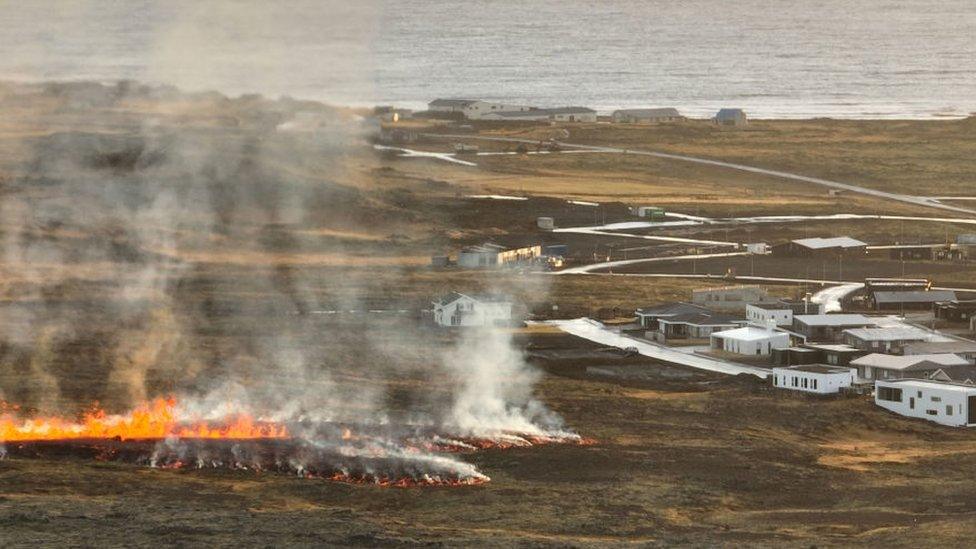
[[920, 394], [932, 412], [911, 403], [936, 399], [948, 410], [804, 383], [814, 383], [891, 394]]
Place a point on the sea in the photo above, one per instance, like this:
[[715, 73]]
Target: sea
[[860, 59]]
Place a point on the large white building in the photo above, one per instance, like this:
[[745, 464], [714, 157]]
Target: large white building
[[457, 309], [952, 404], [780, 312], [560, 114], [813, 378], [478, 110], [750, 340]]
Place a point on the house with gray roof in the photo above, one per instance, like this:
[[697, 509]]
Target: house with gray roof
[[882, 366], [731, 117], [646, 116], [815, 247], [915, 299]]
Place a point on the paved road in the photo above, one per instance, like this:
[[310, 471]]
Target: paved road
[[594, 331], [831, 297], [909, 199], [584, 269]]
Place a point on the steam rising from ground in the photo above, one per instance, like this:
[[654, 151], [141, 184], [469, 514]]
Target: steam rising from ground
[[152, 243]]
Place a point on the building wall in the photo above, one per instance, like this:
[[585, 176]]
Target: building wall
[[752, 347], [466, 312], [913, 405], [761, 316], [812, 382], [476, 260], [519, 254], [575, 117], [729, 300], [478, 109]]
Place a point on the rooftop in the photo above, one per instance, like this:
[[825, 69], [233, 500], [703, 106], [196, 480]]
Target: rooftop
[[903, 333], [931, 347], [816, 369], [826, 243], [930, 384], [485, 298], [452, 102], [661, 112], [892, 362], [833, 348], [673, 309], [707, 318], [834, 320], [916, 296], [748, 333]]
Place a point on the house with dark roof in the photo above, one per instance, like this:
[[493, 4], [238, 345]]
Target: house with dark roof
[[648, 317], [828, 327], [731, 117], [461, 310], [920, 300], [696, 325]]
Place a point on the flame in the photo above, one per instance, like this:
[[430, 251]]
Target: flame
[[151, 420]]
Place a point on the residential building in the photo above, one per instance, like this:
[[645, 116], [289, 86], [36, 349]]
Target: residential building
[[450, 105], [647, 116], [729, 298], [479, 110], [887, 340], [966, 244], [916, 300], [955, 310], [835, 354], [780, 312], [881, 366], [559, 114], [731, 117], [750, 340], [696, 325], [649, 316], [964, 348], [490, 255], [946, 403], [818, 247], [813, 378], [872, 285], [460, 310], [828, 327]]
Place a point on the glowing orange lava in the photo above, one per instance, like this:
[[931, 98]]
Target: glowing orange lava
[[155, 419]]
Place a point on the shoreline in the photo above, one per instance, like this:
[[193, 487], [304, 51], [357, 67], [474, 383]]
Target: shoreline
[[868, 113]]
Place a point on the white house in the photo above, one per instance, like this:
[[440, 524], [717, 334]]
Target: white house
[[779, 312], [477, 110], [646, 116], [450, 105], [946, 403], [750, 340], [813, 378], [457, 309], [561, 114]]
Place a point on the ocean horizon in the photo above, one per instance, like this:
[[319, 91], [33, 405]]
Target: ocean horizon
[[874, 59]]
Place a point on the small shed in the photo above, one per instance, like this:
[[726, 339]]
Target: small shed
[[731, 117]]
